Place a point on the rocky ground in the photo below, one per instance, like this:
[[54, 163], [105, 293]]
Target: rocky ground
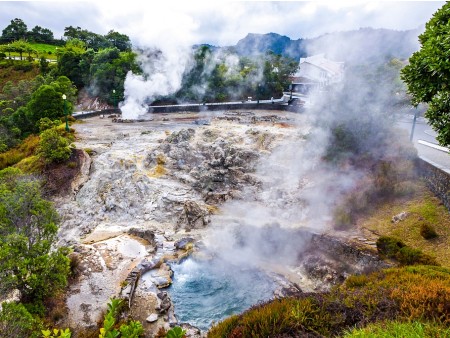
[[150, 190]]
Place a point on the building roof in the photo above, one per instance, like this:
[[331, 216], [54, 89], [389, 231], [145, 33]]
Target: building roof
[[319, 60]]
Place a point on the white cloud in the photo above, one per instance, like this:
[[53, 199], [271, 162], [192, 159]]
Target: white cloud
[[218, 22]]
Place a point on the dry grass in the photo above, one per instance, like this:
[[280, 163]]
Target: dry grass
[[15, 155], [8, 73], [422, 208]]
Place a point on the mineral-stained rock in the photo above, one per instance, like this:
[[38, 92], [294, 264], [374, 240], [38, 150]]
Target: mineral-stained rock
[[194, 216], [152, 318], [182, 135], [145, 234], [184, 243]]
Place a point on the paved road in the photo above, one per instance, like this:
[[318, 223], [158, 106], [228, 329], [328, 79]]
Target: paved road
[[423, 132]]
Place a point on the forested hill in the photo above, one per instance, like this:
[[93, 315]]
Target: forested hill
[[356, 47]]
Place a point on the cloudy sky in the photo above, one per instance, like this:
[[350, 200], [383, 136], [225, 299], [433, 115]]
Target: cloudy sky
[[217, 22]]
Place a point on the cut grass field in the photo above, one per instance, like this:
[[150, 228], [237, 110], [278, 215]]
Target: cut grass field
[[422, 208], [43, 49]]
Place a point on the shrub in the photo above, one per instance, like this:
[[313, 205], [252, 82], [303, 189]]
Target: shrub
[[392, 247], [176, 332], [389, 246], [356, 281], [400, 329], [410, 256], [53, 147], [28, 227], [131, 329], [343, 219], [427, 231], [15, 155], [30, 165], [408, 293], [16, 321], [45, 123]]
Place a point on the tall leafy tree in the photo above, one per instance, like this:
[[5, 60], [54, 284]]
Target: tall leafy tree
[[118, 40], [428, 74], [47, 101], [21, 47], [69, 59], [16, 30], [39, 34], [108, 70]]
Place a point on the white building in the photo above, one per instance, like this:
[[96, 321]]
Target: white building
[[314, 72], [319, 71]]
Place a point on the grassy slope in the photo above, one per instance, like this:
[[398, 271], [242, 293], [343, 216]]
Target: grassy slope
[[421, 208], [43, 49], [8, 73]]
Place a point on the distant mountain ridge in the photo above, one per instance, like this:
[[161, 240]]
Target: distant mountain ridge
[[355, 47]]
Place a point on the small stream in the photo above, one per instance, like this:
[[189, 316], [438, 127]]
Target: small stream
[[208, 291]]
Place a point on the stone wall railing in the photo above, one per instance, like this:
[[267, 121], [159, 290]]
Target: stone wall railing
[[198, 108], [437, 179]]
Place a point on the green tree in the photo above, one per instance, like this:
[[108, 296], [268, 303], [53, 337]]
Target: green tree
[[69, 65], [428, 74], [53, 147], [28, 227], [16, 321], [39, 34], [47, 101], [21, 46], [118, 40], [16, 30], [108, 71]]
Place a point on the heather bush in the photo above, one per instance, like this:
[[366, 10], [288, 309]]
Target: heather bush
[[427, 231], [417, 293]]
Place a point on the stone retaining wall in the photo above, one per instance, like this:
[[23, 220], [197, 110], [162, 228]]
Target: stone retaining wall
[[437, 180]]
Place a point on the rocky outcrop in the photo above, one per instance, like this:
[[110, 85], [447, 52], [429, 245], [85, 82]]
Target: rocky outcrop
[[212, 165]]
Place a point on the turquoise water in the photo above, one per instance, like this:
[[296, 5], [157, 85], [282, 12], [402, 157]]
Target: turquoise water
[[204, 292]]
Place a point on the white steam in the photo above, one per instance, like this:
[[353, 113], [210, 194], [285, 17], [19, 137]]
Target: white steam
[[163, 71]]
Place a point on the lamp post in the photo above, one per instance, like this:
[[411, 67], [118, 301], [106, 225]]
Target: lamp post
[[114, 98], [413, 125], [64, 97]]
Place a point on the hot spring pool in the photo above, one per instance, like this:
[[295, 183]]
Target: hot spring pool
[[208, 291]]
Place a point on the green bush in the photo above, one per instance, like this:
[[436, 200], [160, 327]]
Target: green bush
[[53, 147], [28, 227], [389, 246], [16, 321], [45, 123], [394, 329], [392, 247], [427, 231], [410, 256], [133, 329]]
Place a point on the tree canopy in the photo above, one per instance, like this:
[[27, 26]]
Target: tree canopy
[[28, 227], [16, 30], [428, 74]]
